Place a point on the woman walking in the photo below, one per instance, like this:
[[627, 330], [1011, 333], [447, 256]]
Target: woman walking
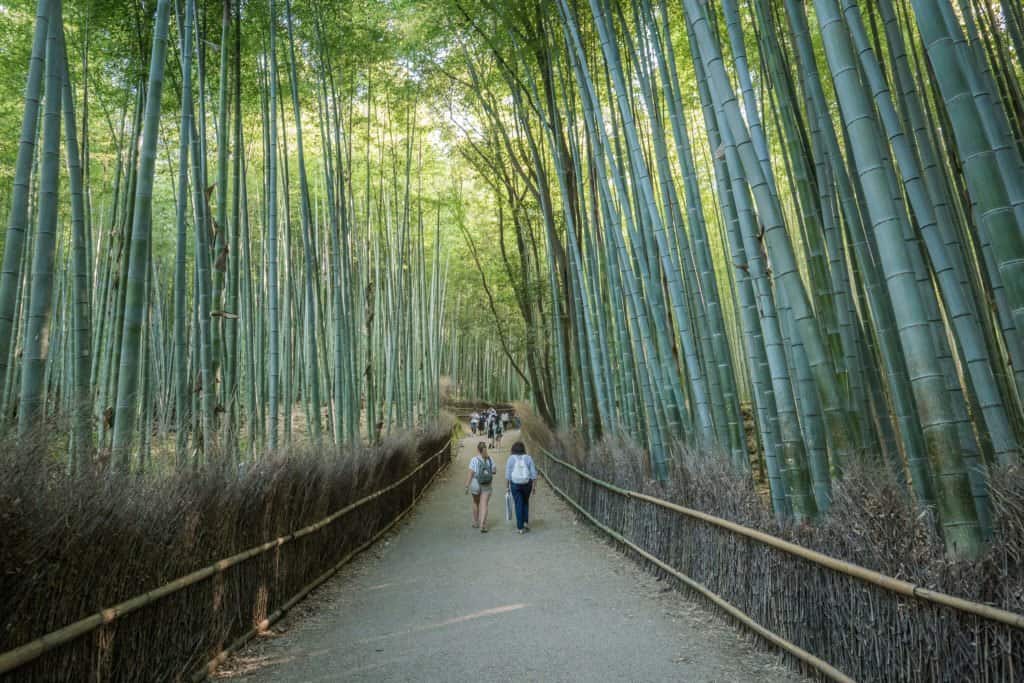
[[499, 431], [492, 430], [521, 474], [478, 483]]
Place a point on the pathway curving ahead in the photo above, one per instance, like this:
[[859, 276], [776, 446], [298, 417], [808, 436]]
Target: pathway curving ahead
[[438, 601]]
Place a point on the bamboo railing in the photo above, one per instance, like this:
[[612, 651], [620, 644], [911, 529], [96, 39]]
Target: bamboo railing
[[20, 656], [886, 583]]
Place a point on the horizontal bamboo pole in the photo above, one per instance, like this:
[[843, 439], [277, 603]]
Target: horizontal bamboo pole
[[211, 666], [821, 665], [864, 574], [18, 657]]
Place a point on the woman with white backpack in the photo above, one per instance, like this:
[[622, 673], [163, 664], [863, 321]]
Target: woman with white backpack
[[521, 473], [478, 482]]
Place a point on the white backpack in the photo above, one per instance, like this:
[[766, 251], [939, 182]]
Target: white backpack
[[520, 470]]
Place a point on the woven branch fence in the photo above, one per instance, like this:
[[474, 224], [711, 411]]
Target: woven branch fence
[[833, 619], [185, 628]]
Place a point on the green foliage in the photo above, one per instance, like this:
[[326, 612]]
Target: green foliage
[[714, 222]]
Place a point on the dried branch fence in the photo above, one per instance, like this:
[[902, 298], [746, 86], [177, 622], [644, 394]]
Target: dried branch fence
[[185, 628], [834, 619]]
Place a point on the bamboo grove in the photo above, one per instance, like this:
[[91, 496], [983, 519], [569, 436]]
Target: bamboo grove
[[183, 278], [805, 217], [788, 232]]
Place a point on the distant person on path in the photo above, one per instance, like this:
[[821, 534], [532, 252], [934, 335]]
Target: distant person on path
[[478, 483], [474, 420], [504, 421], [499, 431], [492, 430], [521, 473]]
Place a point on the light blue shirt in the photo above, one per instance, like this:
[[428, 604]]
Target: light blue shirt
[[511, 463]]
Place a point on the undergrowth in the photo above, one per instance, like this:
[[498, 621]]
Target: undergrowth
[[74, 545], [866, 631]]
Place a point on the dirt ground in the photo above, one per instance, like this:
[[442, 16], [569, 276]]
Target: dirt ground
[[436, 600]]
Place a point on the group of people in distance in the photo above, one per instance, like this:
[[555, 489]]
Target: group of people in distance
[[520, 477], [490, 424]]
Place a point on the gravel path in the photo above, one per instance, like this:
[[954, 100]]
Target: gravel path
[[439, 601]]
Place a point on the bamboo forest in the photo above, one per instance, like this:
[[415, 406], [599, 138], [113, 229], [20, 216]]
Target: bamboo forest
[[743, 278]]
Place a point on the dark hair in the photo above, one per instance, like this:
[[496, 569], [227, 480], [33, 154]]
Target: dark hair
[[482, 446], [518, 448]]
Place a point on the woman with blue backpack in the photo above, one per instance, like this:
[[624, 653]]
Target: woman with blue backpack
[[479, 482], [521, 474]]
